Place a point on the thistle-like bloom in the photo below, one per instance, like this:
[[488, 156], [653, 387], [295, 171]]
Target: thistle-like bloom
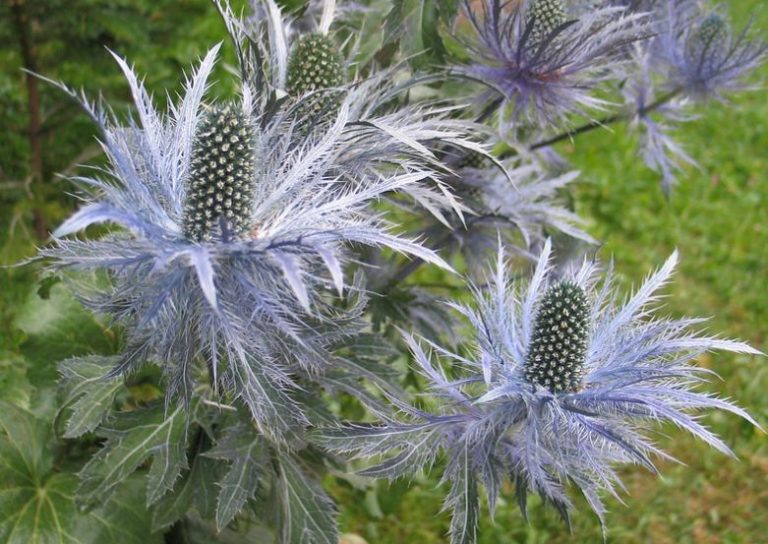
[[313, 77], [517, 200], [232, 234], [562, 385], [544, 64], [706, 58]]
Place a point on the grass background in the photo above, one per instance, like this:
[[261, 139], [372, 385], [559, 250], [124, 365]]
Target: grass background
[[717, 218]]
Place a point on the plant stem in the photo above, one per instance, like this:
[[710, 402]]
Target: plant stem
[[611, 119]]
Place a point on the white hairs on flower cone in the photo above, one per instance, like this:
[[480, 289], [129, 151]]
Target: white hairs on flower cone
[[564, 383], [543, 63], [232, 237]]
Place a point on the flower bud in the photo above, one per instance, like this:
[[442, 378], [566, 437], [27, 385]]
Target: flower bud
[[558, 348], [220, 183]]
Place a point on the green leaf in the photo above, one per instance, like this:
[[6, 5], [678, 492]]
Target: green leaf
[[134, 437], [14, 385], [45, 513], [249, 454], [308, 514], [197, 488], [37, 505], [430, 35], [88, 393], [56, 328]]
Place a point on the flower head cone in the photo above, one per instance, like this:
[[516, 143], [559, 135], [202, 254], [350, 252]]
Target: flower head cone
[[563, 384], [230, 240]]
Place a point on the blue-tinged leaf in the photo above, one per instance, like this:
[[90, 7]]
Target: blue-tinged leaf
[[308, 515]]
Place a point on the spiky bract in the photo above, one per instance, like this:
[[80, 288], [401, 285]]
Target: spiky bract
[[558, 346], [543, 67], [495, 422], [253, 309], [221, 182], [700, 55]]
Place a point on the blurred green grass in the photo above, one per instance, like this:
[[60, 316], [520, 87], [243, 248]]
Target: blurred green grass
[[717, 218]]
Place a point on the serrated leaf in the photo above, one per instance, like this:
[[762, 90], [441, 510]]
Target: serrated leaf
[[463, 499], [248, 453], [308, 514], [37, 505], [89, 394], [197, 489], [134, 437]]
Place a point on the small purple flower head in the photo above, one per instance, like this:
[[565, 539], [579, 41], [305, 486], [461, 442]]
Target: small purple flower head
[[544, 64], [563, 384], [230, 239], [707, 58], [517, 199]]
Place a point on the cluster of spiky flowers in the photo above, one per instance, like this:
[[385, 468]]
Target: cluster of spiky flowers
[[227, 229], [694, 55], [543, 63], [563, 384], [384, 130]]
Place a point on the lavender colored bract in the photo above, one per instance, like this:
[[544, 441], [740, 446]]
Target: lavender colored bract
[[523, 403], [227, 252]]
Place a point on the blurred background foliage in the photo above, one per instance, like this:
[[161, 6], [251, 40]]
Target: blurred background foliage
[[716, 216]]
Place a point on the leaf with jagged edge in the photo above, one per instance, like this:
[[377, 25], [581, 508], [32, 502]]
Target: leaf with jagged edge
[[37, 505], [463, 498], [88, 393], [249, 454], [196, 489], [308, 514], [132, 438]]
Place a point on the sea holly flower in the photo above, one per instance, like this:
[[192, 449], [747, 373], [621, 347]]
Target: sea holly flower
[[562, 384], [517, 199], [231, 238], [311, 78], [544, 63], [707, 58]]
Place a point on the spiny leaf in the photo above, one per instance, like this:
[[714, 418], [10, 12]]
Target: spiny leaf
[[248, 453], [308, 513], [88, 393], [197, 488], [463, 499], [134, 437]]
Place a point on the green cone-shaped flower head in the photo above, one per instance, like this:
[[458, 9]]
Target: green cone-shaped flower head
[[709, 39], [558, 347], [315, 64], [545, 16], [220, 183]]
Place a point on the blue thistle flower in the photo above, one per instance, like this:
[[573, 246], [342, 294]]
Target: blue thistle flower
[[562, 385], [543, 64], [704, 57], [518, 200], [231, 234], [385, 130]]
